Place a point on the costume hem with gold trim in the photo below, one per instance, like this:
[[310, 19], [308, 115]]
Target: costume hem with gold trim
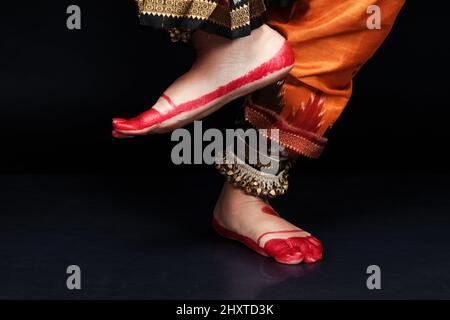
[[227, 18]]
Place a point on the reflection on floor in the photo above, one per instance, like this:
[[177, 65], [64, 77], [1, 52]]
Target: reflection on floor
[[138, 238]]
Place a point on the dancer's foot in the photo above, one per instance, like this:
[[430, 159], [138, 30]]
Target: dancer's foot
[[223, 71], [250, 220]]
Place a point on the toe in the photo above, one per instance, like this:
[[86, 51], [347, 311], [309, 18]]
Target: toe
[[309, 251], [119, 135], [142, 122], [314, 241], [317, 253], [316, 247], [125, 126], [283, 252], [293, 257], [310, 258], [118, 120]]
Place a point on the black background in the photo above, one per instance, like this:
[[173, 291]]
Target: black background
[[60, 89], [139, 226]]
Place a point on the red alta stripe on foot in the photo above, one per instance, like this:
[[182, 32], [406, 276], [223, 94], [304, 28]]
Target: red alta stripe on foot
[[283, 58]]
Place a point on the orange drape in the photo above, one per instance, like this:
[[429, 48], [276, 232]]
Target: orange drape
[[331, 40]]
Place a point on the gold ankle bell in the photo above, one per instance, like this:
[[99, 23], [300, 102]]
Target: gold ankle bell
[[177, 35], [252, 179]]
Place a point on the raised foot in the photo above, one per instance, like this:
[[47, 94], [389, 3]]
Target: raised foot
[[220, 74]]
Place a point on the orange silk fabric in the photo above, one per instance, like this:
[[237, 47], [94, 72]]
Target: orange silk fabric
[[331, 41]]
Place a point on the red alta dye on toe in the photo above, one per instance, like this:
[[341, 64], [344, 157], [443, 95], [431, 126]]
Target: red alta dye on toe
[[292, 250]]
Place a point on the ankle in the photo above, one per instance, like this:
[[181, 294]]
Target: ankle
[[260, 38], [202, 40], [231, 200]]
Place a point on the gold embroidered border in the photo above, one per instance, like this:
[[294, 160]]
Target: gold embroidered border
[[194, 9], [203, 10], [238, 17], [296, 143]]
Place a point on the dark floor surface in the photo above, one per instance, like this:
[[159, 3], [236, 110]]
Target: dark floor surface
[[135, 239]]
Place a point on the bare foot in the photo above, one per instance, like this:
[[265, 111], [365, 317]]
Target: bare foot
[[248, 219], [223, 71]]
